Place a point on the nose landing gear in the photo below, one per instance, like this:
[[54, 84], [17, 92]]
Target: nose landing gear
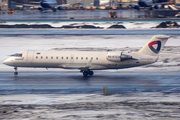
[[15, 73]]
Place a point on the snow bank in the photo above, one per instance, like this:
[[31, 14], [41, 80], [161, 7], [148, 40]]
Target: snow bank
[[105, 25]]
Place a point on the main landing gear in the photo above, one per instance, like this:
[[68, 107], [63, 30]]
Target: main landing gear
[[15, 73], [86, 73]]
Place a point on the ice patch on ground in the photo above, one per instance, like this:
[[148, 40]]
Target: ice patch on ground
[[74, 98]]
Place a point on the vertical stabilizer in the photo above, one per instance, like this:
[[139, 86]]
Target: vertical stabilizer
[[154, 45]]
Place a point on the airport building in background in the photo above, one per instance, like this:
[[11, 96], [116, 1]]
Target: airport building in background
[[84, 3], [5, 4], [177, 1], [61, 1]]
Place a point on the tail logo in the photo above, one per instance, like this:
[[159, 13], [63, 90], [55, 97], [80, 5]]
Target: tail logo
[[158, 47]]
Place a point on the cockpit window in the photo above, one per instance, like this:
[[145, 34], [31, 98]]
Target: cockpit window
[[17, 55]]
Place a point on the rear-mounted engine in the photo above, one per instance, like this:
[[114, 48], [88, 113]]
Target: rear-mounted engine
[[117, 57]]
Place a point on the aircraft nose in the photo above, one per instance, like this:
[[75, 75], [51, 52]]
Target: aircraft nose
[[7, 62]]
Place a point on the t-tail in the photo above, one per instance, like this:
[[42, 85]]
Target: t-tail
[[48, 1], [142, 3], [42, 1], [154, 45]]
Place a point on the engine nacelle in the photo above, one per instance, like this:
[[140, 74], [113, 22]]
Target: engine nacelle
[[40, 9], [60, 8], [117, 57], [114, 57], [125, 57]]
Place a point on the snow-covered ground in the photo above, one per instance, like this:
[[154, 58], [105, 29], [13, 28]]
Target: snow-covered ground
[[105, 25], [135, 106], [125, 106]]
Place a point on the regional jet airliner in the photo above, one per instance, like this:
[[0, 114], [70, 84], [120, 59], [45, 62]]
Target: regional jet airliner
[[87, 61]]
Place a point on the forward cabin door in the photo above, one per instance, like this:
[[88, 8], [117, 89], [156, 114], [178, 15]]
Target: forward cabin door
[[30, 55]]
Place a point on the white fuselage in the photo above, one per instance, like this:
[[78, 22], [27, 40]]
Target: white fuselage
[[78, 60], [87, 61]]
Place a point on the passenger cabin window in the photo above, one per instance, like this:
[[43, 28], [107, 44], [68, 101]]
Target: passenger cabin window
[[46, 57], [86, 58], [61, 57], [51, 57], [76, 57], [96, 58], [56, 57], [71, 57], [81, 58], [91, 57], [41, 57], [17, 55], [66, 57], [36, 57]]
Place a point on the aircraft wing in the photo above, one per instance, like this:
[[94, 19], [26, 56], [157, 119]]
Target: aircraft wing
[[82, 67], [62, 5], [36, 2], [162, 3], [87, 66], [31, 5]]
